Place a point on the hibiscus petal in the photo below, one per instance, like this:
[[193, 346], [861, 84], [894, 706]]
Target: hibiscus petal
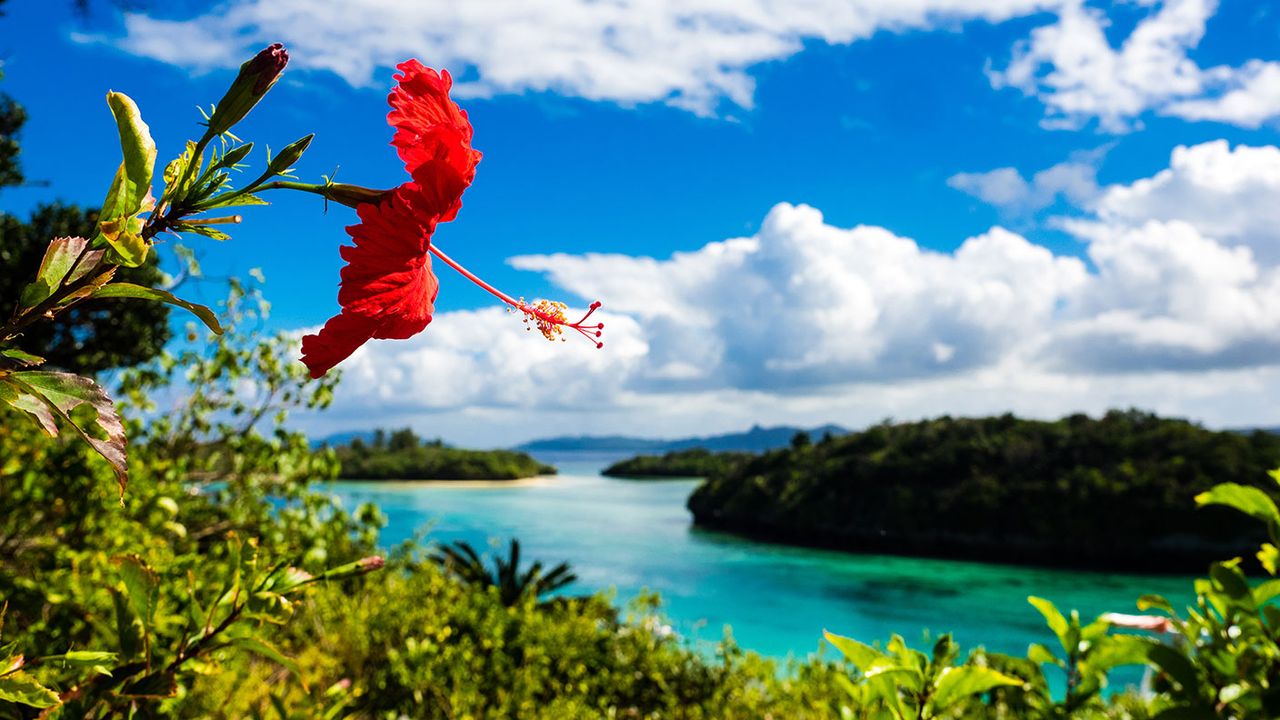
[[335, 342], [388, 289], [430, 126]]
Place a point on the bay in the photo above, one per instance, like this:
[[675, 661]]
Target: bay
[[635, 535]]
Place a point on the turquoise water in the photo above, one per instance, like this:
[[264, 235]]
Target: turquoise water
[[632, 535]]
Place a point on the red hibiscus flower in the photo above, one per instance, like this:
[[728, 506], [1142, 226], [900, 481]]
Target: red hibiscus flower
[[388, 290]]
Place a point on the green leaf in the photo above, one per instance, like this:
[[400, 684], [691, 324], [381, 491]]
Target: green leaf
[[62, 393], [901, 675], [17, 358], [1248, 500], [1039, 654], [1120, 650], [136, 144], [128, 290], [1266, 592], [131, 188], [1177, 666], [208, 231], [260, 647], [140, 586], [129, 629], [1054, 619], [956, 683], [23, 689], [1269, 556], [860, 654], [1158, 602], [1232, 582]]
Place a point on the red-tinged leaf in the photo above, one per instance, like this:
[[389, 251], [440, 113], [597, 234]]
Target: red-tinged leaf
[[65, 260], [89, 288], [16, 396], [63, 393], [128, 290], [12, 664]]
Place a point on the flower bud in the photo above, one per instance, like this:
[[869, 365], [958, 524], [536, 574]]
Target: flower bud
[[353, 195], [256, 77], [359, 567], [291, 153]]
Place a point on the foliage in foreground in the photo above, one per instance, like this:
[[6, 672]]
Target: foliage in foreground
[[402, 455], [1112, 492]]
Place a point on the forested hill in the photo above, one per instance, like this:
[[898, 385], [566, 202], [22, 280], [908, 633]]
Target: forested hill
[[1115, 492], [402, 455], [696, 462], [757, 439]]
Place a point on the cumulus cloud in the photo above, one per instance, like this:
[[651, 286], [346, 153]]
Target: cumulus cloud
[[1074, 181], [1074, 69], [1174, 307], [803, 304], [694, 54], [1225, 193]]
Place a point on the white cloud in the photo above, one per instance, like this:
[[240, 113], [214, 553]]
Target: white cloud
[[1072, 67], [699, 54], [806, 322], [1231, 195], [693, 54], [1247, 97], [1168, 298], [803, 304], [1074, 181]]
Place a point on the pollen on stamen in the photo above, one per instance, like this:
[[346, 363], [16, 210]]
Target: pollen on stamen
[[547, 317]]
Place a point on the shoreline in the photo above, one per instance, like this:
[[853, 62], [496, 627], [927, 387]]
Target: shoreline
[[1148, 562], [534, 481]]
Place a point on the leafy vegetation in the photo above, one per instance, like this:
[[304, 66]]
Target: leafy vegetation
[[1109, 492], [402, 455], [463, 562], [91, 336], [696, 462]]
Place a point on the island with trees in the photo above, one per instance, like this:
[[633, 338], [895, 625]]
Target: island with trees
[[695, 462], [402, 455], [1108, 493]]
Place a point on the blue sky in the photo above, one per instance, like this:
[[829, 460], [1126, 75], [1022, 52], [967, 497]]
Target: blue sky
[[617, 134]]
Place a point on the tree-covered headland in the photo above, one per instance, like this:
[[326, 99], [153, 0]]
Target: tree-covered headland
[[1109, 492], [402, 455], [695, 462]]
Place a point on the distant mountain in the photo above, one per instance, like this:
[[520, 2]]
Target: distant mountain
[[343, 438], [757, 439]]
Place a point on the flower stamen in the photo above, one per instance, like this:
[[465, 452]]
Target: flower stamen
[[546, 316]]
